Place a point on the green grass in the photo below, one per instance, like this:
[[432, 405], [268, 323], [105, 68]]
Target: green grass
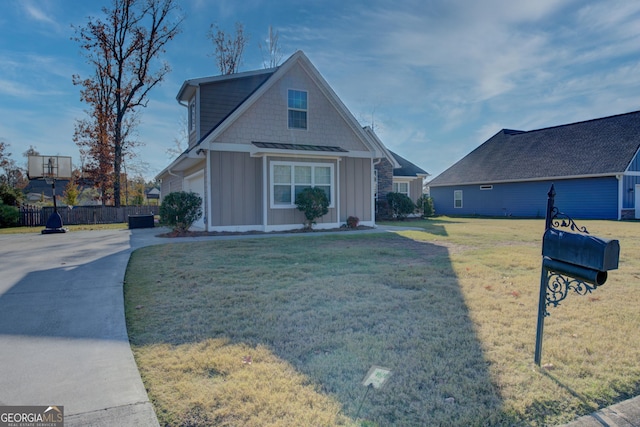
[[450, 309]]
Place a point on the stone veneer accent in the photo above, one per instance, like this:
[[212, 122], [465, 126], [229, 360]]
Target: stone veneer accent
[[385, 186]]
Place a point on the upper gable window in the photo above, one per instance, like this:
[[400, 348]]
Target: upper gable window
[[192, 116], [297, 108]]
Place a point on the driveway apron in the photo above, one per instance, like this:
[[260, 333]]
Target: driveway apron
[[63, 338]]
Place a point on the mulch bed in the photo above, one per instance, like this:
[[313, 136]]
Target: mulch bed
[[250, 233]]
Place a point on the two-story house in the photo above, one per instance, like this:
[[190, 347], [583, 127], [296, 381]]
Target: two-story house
[[257, 138]]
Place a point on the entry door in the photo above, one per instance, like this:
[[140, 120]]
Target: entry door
[[195, 183], [637, 204]]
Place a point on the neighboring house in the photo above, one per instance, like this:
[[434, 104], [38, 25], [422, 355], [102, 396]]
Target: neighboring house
[[152, 196], [593, 164], [258, 138], [37, 190]]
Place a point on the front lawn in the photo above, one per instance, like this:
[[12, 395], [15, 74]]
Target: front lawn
[[282, 330]]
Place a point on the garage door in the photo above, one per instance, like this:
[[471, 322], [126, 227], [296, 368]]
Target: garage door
[[195, 183]]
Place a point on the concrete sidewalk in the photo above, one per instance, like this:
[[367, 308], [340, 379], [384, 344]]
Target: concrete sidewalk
[[63, 338]]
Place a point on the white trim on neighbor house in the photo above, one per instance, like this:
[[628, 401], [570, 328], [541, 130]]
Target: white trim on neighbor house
[[620, 179], [292, 184], [637, 201]]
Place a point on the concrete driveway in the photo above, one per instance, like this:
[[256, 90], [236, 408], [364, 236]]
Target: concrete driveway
[[63, 338]]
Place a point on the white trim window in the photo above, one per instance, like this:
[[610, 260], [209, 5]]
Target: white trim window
[[297, 109], [401, 187], [289, 178], [457, 199]]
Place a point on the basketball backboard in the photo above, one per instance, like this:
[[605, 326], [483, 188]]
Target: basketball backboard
[[49, 167]]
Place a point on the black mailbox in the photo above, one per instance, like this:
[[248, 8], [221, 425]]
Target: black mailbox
[[582, 256]]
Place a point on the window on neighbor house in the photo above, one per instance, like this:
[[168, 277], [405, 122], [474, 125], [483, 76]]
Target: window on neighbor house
[[192, 116], [401, 187], [297, 107], [288, 179], [457, 199]]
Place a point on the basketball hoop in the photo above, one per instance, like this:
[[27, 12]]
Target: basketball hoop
[[50, 168]]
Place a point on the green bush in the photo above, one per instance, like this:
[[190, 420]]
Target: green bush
[[314, 203], [9, 216], [180, 210], [9, 195], [425, 206], [401, 205]]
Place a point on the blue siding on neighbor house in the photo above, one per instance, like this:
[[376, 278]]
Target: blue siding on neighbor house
[[595, 198]]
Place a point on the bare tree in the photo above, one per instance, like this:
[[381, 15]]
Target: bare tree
[[123, 48], [181, 140], [271, 53], [228, 51]]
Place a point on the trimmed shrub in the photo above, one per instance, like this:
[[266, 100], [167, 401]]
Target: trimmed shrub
[[425, 206], [383, 210], [314, 203], [401, 205], [180, 210]]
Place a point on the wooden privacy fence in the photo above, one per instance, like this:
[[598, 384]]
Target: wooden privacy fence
[[34, 216]]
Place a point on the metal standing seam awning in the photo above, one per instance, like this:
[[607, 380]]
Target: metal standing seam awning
[[299, 147]]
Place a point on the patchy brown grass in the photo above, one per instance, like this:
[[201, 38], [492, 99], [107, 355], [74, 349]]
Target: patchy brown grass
[[450, 309]]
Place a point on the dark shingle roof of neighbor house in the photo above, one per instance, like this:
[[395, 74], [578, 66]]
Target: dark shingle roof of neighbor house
[[604, 146], [406, 167]]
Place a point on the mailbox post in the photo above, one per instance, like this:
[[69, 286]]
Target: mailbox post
[[570, 261]]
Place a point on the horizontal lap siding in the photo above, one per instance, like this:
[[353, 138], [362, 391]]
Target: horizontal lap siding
[[170, 184], [579, 198], [236, 189]]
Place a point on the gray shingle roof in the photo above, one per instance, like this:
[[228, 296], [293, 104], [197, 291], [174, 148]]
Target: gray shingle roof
[[604, 146], [406, 167]]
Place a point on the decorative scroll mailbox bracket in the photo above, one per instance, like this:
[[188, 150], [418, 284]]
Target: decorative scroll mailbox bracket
[[570, 261]]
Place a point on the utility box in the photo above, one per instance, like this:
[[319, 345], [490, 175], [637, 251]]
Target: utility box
[[582, 250], [141, 221]]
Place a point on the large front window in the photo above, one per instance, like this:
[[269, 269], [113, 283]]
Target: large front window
[[297, 108], [288, 179]]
